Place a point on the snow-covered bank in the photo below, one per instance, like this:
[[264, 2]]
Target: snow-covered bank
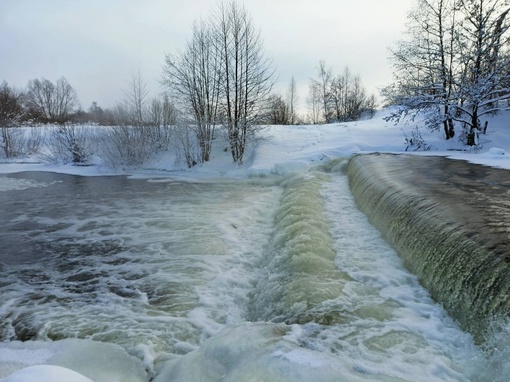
[[287, 148]]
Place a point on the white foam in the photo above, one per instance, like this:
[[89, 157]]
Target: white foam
[[199, 255], [15, 184], [397, 321]]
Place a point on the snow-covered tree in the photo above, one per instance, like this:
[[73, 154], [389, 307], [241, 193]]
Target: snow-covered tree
[[454, 66], [483, 82], [424, 64]]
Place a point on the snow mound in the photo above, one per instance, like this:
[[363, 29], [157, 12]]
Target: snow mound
[[496, 151], [45, 373]]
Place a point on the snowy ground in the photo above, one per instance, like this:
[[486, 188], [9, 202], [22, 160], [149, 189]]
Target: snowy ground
[[287, 148]]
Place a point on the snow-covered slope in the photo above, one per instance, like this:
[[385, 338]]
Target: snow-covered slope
[[284, 148]]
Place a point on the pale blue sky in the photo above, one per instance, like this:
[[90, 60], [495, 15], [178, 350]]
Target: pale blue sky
[[98, 44]]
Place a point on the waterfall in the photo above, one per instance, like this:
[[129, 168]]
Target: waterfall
[[299, 273], [450, 223]]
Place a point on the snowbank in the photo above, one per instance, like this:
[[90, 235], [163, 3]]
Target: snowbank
[[289, 148]]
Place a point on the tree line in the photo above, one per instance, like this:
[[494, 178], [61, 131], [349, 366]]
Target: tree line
[[43, 102], [454, 66]]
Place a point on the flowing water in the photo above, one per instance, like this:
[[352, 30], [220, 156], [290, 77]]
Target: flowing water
[[450, 222], [267, 279]]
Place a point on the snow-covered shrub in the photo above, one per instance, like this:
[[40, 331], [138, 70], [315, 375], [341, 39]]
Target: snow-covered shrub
[[34, 139], [67, 144], [186, 145], [11, 142], [131, 146], [18, 142], [415, 141]]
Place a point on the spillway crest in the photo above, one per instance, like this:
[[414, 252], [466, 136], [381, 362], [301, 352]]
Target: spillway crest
[[450, 222]]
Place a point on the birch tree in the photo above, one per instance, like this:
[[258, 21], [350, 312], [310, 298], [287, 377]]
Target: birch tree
[[195, 77], [292, 99], [136, 99], [247, 74], [222, 72]]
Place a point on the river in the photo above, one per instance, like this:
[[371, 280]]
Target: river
[[264, 279]]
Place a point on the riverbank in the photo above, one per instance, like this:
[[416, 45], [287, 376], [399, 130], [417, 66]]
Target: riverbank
[[282, 149]]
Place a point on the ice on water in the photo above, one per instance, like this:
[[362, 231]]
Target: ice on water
[[69, 360], [45, 373]]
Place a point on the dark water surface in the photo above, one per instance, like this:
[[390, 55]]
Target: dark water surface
[[52, 203]]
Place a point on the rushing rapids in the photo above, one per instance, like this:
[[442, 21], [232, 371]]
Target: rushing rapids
[[277, 278], [450, 223]]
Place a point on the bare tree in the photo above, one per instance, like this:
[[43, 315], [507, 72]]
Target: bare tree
[[137, 98], [121, 114], [11, 111], [314, 102], [341, 98], [169, 112], [195, 77], [155, 117], [52, 102], [247, 74], [278, 112], [11, 107], [292, 99], [324, 80], [140, 131]]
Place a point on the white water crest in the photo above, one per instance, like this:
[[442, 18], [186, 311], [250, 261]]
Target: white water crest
[[270, 279]]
